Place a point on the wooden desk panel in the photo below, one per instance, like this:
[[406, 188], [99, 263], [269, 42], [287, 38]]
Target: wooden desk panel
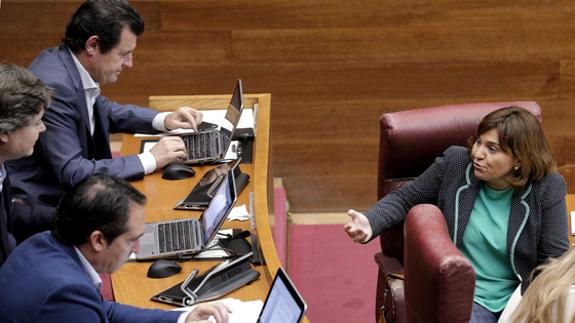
[[131, 286], [570, 208]]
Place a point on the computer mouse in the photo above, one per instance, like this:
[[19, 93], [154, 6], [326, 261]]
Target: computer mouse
[[163, 268], [178, 171]]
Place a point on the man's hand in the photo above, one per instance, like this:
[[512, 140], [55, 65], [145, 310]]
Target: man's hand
[[169, 149], [202, 313], [358, 229], [183, 117]]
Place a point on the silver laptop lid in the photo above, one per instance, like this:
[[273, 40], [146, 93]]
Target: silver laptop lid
[[219, 207], [232, 116]]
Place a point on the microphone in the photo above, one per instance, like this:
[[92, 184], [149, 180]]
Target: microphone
[[256, 256], [239, 235]]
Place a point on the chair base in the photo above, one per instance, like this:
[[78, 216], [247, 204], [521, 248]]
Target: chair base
[[390, 302]]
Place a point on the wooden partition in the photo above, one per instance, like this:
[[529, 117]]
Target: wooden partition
[[333, 67]]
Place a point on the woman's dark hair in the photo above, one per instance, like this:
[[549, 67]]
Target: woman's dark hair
[[102, 18], [22, 96], [521, 135], [99, 202]]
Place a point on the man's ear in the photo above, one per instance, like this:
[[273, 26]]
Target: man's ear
[[92, 45], [98, 241], [4, 137]]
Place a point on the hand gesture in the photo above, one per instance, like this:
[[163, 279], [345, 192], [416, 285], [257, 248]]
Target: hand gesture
[[169, 149], [202, 313], [358, 229], [183, 117]]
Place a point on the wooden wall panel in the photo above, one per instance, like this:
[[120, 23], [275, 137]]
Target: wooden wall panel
[[397, 43], [326, 81], [333, 67]]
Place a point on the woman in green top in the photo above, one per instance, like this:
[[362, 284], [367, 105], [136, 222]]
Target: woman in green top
[[503, 202]]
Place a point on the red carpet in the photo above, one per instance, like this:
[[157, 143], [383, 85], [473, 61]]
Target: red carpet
[[336, 277]]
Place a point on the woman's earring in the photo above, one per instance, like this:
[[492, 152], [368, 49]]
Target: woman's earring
[[516, 168]]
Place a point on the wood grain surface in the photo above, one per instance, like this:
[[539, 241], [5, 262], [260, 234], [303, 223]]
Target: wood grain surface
[[333, 67]]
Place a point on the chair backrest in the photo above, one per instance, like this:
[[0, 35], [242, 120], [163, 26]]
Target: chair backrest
[[439, 280], [568, 173], [410, 140]]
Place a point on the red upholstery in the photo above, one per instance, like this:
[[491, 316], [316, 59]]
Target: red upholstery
[[409, 142], [434, 266]]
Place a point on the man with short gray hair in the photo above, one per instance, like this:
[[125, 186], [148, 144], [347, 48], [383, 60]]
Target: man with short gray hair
[[23, 100]]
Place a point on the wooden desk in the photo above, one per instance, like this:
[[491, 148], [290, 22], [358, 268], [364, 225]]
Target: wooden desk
[[130, 284], [570, 208]]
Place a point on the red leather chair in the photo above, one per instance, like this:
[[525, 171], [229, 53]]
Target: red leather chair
[[409, 142], [439, 280]]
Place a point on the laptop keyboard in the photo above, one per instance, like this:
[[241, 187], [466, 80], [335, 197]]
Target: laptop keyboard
[[202, 145], [176, 236]]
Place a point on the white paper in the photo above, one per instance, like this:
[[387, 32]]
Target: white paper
[[242, 312], [572, 222], [148, 145], [218, 116], [239, 213], [211, 116]]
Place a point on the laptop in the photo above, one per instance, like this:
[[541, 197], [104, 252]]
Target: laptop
[[283, 303], [200, 196], [176, 238], [211, 145]]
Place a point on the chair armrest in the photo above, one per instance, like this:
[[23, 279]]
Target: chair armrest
[[439, 280], [388, 265]]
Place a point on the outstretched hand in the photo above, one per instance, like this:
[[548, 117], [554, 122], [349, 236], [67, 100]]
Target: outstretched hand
[[358, 229]]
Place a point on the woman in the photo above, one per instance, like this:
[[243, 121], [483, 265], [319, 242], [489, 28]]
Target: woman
[[549, 297], [503, 203]]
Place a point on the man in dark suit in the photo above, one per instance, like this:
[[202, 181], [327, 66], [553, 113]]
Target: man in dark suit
[[99, 43], [53, 276], [23, 100]]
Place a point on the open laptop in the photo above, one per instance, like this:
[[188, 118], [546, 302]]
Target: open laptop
[[200, 196], [284, 303], [189, 236], [212, 145]]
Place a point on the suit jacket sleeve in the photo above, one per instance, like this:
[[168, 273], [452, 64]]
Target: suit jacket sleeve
[[124, 313], [35, 214], [554, 231], [75, 301], [125, 118], [392, 208], [65, 142]]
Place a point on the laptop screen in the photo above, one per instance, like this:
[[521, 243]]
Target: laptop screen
[[219, 207], [283, 304], [232, 114]]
